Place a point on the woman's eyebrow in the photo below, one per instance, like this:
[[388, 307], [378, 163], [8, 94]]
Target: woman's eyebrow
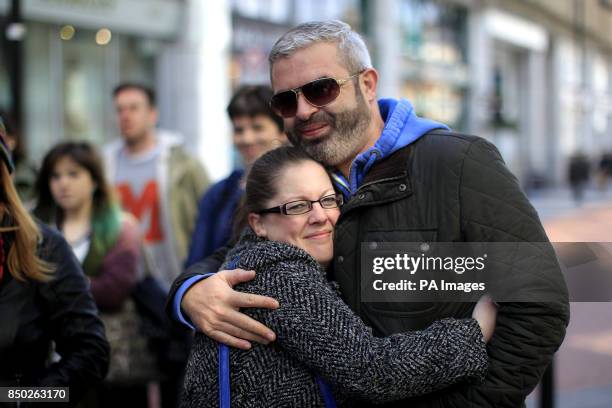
[[298, 197]]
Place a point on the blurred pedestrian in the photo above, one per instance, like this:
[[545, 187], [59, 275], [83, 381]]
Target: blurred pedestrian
[[160, 184], [605, 170], [149, 166], [578, 174], [256, 129], [44, 299], [24, 175], [74, 197]]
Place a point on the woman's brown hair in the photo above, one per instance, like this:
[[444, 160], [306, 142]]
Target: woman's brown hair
[[87, 157], [261, 185], [106, 214], [22, 259]]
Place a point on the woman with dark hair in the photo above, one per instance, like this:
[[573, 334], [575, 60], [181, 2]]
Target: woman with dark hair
[[44, 298], [75, 197], [291, 209]]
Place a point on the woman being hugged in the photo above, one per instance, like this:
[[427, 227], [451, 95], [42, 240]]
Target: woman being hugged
[[321, 344], [44, 298], [75, 197]]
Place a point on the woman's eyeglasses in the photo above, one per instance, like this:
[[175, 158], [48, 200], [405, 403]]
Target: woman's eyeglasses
[[303, 206], [319, 93]]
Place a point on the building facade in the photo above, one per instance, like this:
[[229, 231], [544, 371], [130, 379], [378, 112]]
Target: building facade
[[533, 76]]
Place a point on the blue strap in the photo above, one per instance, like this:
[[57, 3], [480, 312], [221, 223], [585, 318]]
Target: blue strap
[[224, 364], [326, 393], [224, 376], [224, 372]]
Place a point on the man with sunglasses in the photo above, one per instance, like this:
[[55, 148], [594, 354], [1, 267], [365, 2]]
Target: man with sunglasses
[[403, 179]]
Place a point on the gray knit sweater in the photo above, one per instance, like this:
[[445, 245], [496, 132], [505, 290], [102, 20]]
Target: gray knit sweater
[[317, 333]]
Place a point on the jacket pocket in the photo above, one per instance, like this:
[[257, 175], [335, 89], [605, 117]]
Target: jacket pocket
[[391, 318], [394, 317]]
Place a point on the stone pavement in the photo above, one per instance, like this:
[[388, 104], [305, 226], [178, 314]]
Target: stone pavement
[[583, 364]]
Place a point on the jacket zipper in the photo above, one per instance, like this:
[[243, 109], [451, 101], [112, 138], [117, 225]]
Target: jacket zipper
[[357, 281]]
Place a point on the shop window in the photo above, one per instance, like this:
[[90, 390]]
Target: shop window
[[69, 81], [434, 57], [434, 31]]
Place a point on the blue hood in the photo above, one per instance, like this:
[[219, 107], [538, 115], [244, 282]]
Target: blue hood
[[402, 127]]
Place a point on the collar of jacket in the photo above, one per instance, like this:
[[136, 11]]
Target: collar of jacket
[[387, 181], [256, 253], [402, 128], [166, 140]]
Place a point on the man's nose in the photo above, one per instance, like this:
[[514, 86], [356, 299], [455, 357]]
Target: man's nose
[[304, 108]]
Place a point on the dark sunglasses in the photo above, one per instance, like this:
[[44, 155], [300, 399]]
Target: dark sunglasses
[[319, 93], [303, 206]]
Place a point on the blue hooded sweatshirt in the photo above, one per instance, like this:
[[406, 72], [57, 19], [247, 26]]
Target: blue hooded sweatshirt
[[402, 127]]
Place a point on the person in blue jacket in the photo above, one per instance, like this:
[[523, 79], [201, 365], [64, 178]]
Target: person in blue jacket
[[256, 129]]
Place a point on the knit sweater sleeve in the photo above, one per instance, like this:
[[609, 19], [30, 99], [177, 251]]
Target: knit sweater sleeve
[[316, 327]]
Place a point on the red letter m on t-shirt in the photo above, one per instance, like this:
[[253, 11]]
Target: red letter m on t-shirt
[[148, 202]]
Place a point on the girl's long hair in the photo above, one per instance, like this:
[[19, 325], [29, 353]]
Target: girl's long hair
[[23, 235], [106, 212]]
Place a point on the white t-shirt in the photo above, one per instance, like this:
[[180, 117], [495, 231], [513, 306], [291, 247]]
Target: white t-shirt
[[80, 248]]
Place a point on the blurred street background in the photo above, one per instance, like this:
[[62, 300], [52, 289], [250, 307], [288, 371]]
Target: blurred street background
[[583, 365], [532, 76]]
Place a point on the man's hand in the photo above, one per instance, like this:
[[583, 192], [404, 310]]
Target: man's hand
[[213, 306]]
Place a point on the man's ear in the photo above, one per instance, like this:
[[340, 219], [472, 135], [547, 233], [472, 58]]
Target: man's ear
[[257, 225], [370, 81]]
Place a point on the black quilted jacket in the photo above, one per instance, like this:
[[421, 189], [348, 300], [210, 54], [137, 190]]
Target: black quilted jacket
[[318, 333], [450, 187]]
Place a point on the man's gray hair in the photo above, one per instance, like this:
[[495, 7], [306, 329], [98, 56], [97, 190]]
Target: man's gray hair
[[351, 47]]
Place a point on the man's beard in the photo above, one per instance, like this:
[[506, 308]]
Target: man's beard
[[346, 138]]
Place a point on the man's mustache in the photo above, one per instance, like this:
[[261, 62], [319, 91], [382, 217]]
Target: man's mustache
[[317, 118]]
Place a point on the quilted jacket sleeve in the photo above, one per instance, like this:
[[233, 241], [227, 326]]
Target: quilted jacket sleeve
[[317, 328], [495, 209]]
